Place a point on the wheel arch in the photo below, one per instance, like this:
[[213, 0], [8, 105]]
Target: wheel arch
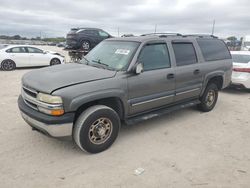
[[53, 59], [218, 79], [113, 102], [8, 59], [90, 41]]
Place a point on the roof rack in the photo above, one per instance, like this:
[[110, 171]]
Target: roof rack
[[200, 36], [162, 34]]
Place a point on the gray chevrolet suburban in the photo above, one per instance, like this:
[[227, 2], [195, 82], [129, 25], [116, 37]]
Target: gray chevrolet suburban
[[127, 80]]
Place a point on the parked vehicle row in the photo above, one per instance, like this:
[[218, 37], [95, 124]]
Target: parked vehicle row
[[127, 79], [14, 56]]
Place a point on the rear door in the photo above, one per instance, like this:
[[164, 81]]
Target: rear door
[[19, 55], [188, 73], [155, 87]]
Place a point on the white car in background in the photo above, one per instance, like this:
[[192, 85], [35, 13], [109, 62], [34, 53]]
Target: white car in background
[[241, 69], [12, 56]]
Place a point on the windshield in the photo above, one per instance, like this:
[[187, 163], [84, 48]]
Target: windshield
[[111, 54], [240, 58]]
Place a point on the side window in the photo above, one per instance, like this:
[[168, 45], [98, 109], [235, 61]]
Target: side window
[[184, 53], [155, 56], [16, 50], [90, 32], [213, 49], [34, 50], [103, 34]]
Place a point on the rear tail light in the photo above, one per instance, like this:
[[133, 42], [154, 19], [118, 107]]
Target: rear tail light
[[241, 70]]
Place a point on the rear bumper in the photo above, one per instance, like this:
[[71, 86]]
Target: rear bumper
[[243, 82], [72, 44], [60, 126]]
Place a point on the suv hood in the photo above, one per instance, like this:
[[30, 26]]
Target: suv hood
[[52, 78]]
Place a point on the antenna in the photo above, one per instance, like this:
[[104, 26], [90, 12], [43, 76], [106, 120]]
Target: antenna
[[155, 27], [213, 27]]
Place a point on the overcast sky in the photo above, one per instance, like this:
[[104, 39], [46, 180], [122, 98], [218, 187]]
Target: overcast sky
[[56, 17]]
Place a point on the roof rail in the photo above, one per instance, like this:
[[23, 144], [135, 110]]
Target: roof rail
[[162, 34], [200, 35]]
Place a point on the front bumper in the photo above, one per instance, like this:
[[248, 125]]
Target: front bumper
[[54, 126]]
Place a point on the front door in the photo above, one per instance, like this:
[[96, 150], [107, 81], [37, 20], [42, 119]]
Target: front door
[[38, 57], [155, 87]]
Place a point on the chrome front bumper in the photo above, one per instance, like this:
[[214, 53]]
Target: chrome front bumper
[[54, 130]]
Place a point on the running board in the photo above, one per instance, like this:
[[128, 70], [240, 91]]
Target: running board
[[160, 112]]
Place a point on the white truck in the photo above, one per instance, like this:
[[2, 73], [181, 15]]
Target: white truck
[[246, 43]]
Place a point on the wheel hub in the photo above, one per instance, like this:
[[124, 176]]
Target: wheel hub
[[210, 98], [100, 130]]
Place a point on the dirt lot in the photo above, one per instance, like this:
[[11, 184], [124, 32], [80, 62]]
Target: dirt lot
[[183, 149]]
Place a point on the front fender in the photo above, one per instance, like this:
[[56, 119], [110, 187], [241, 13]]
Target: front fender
[[93, 96]]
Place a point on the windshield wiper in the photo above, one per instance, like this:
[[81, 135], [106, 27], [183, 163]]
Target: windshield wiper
[[99, 62], [87, 61]]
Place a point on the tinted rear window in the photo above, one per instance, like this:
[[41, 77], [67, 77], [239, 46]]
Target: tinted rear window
[[184, 53], [241, 58], [213, 49]]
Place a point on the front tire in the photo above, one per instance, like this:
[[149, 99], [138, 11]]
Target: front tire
[[209, 98], [55, 61], [96, 129], [8, 65]]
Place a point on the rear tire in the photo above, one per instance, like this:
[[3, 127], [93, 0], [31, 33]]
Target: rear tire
[[86, 45], [8, 65], [209, 98], [55, 61], [96, 129]]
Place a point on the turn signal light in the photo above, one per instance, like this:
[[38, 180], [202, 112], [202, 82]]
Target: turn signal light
[[58, 112]]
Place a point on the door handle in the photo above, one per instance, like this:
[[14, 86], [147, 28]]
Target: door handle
[[197, 71], [170, 76]]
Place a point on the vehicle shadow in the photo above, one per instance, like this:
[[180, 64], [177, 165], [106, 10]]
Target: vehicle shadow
[[127, 131], [236, 91]]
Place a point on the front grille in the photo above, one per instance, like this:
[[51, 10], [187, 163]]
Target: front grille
[[29, 97], [30, 92]]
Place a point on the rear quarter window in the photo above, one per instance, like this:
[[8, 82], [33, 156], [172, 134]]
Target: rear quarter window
[[213, 49]]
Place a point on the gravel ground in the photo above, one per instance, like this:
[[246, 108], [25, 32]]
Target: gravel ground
[[186, 148]]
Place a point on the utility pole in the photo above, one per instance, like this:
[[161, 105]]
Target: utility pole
[[118, 31], [155, 27], [213, 27]]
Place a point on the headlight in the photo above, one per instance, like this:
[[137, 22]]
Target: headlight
[[49, 98], [51, 105]]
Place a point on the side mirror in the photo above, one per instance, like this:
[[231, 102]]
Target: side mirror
[[44, 52], [139, 68]]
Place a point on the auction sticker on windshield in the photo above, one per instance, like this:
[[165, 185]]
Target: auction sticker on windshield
[[122, 51]]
